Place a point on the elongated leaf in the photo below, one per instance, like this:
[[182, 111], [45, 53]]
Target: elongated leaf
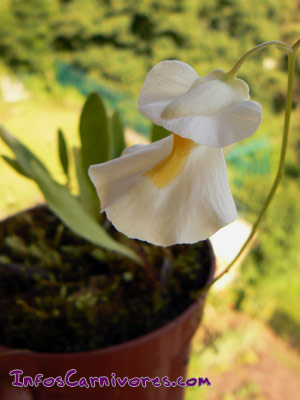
[[15, 165], [117, 136], [94, 132], [62, 202], [87, 192], [23, 155], [63, 152], [158, 132], [69, 210]]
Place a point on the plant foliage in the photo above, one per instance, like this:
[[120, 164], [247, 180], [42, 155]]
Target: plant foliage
[[78, 215]]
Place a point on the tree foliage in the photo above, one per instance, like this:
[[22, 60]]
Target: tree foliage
[[117, 41]]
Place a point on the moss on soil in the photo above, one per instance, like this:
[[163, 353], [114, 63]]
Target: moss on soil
[[59, 293]]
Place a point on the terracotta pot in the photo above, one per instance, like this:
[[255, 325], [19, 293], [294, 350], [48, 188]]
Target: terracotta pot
[[163, 352]]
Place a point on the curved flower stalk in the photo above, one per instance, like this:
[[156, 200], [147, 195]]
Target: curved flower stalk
[[176, 190]]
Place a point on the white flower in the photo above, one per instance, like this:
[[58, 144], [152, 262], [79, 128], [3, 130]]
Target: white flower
[[176, 190], [208, 110]]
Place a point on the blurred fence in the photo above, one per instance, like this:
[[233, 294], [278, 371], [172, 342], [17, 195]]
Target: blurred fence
[[253, 158]]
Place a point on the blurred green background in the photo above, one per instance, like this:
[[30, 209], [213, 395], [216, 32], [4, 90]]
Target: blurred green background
[[55, 52]]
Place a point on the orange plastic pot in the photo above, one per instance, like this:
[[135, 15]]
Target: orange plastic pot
[[161, 353]]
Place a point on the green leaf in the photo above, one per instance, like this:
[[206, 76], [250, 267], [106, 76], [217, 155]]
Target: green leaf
[[72, 214], [94, 132], [23, 155], [63, 152], [117, 135], [158, 132], [15, 165], [62, 203], [87, 192]]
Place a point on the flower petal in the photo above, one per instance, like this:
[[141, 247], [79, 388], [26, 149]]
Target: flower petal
[[191, 207], [207, 98], [114, 177], [221, 129], [166, 81], [132, 149]]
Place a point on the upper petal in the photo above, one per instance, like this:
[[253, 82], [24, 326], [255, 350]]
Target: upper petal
[[166, 81], [191, 207], [223, 128], [207, 98], [210, 110]]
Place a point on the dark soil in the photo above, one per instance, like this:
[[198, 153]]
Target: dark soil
[[59, 293]]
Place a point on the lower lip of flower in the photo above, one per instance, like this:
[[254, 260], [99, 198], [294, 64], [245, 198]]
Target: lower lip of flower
[[162, 174]]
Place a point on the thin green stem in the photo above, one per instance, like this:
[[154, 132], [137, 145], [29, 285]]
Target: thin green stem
[[296, 45], [280, 45], [280, 171]]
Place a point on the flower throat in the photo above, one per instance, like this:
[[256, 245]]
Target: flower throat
[[163, 173]]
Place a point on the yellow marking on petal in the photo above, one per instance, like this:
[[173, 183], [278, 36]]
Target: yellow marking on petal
[[167, 170]]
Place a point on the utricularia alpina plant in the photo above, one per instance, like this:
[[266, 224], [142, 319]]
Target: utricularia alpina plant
[[176, 190]]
